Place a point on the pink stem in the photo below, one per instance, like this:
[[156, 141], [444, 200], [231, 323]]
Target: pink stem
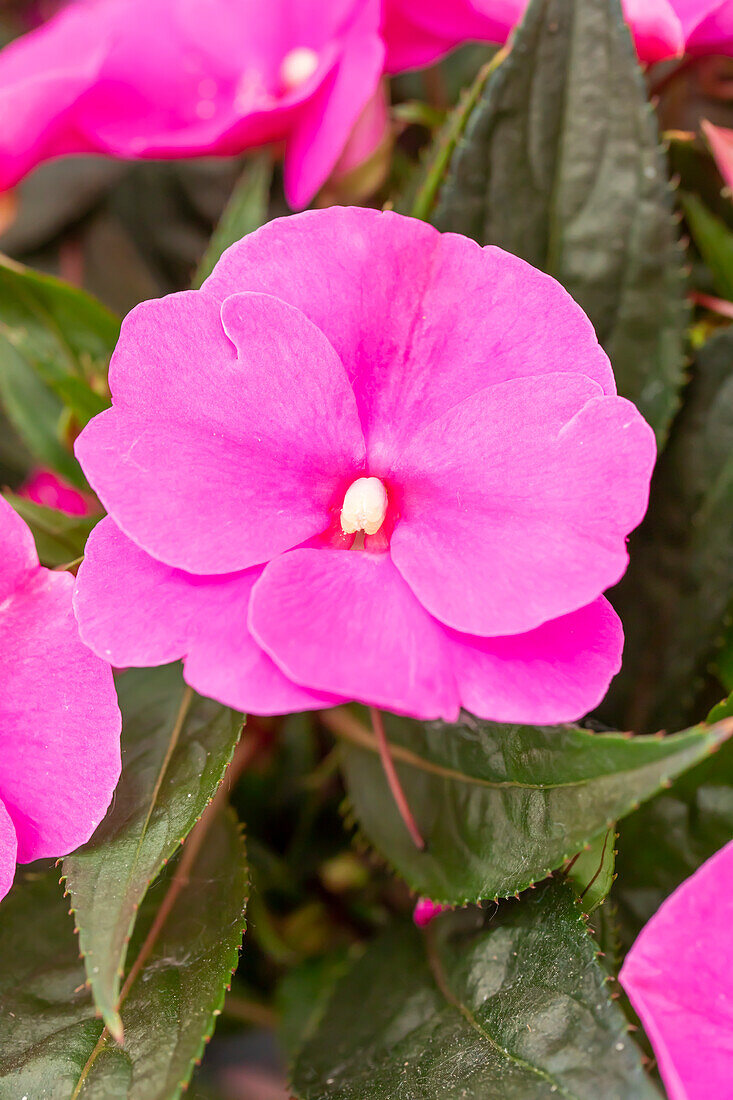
[[393, 779]]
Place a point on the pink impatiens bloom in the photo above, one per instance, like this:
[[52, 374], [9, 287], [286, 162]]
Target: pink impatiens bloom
[[679, 978], [47, 488], [426, 911], [59, 720], [418, 32], [366, 461], [707, 24], [182, 78]]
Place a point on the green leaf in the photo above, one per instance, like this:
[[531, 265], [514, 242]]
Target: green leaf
[[502, 806], [422, 193], [722, 710], [60, 538], [560, 164], [667, 839], [591, 872], [714, 241], [175, 750], [515, 1007], [55, 344], [246, 211], [678, 593], [52, 1047], [303, 995]]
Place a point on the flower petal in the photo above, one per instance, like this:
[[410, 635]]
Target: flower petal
[[345, 622], [18, 555], [420, 320], [517, 503], [176, 78], [656, 29], [328, 118], [419, 32], [8, 851], [217, 455], [41, 74], [135, 611], [678, 978], [707, 24], [59, 721], [558, 672]]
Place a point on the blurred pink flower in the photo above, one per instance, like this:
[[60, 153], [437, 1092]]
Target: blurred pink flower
[[366, 461], [418, 32], [707, 25], [426, 911], [679, 978], [47, 488], [59, 720], [182, 78]]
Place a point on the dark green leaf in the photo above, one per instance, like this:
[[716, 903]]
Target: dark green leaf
[[502, 806], [16, 462], [55, 343], [561, 164], [714, 241], [303, 995], [591, 872], [676, 597], [422, 193], [51, 1044], [60, 539], [245, 212], [35, 413], [517, 1009], [47, 1022], [667, 839], [176, 748]]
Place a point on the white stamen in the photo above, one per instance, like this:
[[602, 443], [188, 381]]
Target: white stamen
[[297, 67], [364, 507]]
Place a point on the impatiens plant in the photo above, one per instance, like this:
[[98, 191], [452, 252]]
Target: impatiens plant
[[405, 527]]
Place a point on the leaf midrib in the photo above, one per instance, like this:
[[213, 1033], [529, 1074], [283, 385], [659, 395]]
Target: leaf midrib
[[436, 969], [183, 710], [363, 739]]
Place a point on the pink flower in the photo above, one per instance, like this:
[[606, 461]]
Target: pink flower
[[426, 911], [345, 379], [707, 24], [47, 488], [418, 32], [182, 78], [59, 720], [679, 978]]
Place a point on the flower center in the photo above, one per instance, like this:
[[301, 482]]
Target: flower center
[[297, 67], [364, 507]]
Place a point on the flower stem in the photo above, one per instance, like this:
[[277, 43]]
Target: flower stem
[[393, 780]]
